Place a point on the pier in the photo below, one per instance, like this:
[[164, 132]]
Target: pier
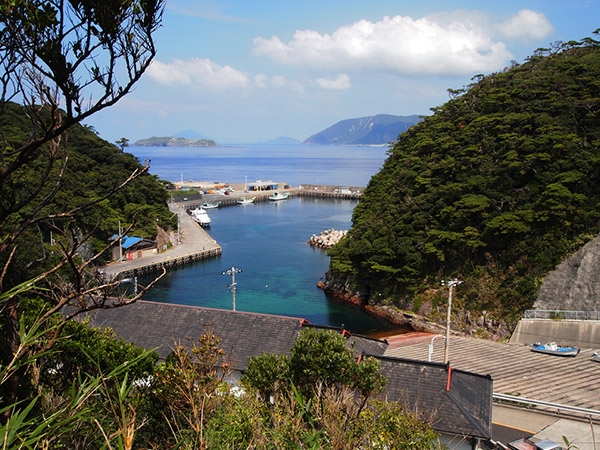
[[195, 243]]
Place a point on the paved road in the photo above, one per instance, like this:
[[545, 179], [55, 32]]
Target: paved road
[[194, 239]]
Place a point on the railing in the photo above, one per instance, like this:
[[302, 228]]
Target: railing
[[553, 406], [560, 314]]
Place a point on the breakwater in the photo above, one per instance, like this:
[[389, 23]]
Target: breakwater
[[327, 238]]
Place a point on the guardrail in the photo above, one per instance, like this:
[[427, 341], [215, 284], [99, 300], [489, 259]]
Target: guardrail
[[558, 314], [553, 406]]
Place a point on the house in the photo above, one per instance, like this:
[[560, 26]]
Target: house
[[242, 335], [132, 247], [458, 403]]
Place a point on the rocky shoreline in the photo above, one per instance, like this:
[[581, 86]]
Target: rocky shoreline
[[463, 322]]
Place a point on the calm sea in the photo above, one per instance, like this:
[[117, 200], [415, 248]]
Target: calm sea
[[267, 241]]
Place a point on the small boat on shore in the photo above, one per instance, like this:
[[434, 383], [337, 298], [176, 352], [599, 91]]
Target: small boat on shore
[[245, 200], [596, 357], [210, 205], [279, 196], [553, 349], [201, 216]]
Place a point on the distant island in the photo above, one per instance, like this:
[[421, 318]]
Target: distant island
[[169, 141], [380, 129]]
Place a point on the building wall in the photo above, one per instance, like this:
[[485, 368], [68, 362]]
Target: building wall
[[578, 333]]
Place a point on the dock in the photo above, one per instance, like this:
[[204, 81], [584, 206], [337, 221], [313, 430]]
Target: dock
[[195, 245], [195, 242]]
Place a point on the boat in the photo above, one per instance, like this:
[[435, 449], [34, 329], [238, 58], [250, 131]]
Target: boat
[[201, 216], [246, 200], [210, 205], [553, 349], [596, 357], [279, 196]]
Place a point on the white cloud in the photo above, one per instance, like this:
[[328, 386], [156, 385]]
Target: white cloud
[[340, 83], [198, 72], [527, 24], [260, 79], [457, 43]]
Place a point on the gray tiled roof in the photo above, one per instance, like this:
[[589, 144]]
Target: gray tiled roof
[[464, 409], [243, 335]]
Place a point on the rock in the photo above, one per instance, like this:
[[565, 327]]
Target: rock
[[575, 283], [327, 238]]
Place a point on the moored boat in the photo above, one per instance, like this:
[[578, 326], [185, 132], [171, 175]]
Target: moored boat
[[201, 216], [596, 357], [553, 349], [246, 200], [279, 196], [210, 205]]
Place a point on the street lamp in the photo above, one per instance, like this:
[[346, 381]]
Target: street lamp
[[232, 272], [451, 284], [135, 284]]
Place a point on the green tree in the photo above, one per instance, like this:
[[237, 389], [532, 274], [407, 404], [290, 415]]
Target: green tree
[[318, 356], [83, 55], [123, 143]]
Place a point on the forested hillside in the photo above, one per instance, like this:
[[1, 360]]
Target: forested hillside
[[495, 188], [92, 169]]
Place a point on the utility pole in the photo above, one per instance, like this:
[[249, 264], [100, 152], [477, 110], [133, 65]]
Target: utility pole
[[232, 272], [120, 243], [451, 284]]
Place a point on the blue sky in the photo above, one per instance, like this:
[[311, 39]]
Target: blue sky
[[241, 72]]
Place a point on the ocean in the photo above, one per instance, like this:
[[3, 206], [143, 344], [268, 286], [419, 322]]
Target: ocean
[[268, 241]]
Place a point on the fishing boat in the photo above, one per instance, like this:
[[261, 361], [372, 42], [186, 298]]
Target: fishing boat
[[246, 200], [279, 196], [553, 349], [210, 205], [201, 216]]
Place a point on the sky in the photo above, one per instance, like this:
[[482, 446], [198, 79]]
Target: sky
[[242, 72]]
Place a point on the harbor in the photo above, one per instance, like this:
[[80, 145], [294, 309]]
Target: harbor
[[193, 242]]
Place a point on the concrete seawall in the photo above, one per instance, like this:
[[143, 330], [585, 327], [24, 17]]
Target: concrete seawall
[[578, 333]]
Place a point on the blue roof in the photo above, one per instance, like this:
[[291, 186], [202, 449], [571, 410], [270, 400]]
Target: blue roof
[[127, 241]]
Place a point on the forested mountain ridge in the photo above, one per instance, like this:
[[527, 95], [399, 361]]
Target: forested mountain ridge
[[496, 188]]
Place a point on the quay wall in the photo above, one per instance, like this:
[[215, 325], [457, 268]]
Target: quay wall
[[169, 263], [578, 333]]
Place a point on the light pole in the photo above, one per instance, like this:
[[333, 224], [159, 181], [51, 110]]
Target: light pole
[[451, 284], [232, 272], [135, 284]]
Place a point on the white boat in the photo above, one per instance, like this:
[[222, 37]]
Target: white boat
[[201, 216], [596, 357], [279, 196], [553, 349], [246, 200], [210, 205]]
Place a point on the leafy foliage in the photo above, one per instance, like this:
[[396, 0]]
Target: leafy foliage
[[499, 184], [93, 168], [317, 357]]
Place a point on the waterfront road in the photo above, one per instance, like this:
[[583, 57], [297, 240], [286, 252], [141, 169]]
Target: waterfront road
[[194, 240]]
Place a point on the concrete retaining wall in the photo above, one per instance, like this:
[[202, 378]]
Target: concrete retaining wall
[[578, 333]]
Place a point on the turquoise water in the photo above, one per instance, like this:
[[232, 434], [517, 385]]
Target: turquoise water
[[267, 241]]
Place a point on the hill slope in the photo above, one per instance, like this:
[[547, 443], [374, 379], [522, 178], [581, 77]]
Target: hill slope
[[373, 130], [94, 167], [496, 188]]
